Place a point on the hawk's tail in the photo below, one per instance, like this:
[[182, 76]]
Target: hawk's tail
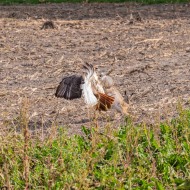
[[104, 102]]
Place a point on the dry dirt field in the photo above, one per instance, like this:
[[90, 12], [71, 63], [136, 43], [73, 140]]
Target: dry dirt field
[[149, 56]]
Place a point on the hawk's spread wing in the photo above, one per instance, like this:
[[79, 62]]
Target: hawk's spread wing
[[69, 88], [74, 86]]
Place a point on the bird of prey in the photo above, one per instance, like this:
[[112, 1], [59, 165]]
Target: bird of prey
[[97, 93]]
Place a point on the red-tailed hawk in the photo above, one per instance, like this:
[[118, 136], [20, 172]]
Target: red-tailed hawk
[[100, 94]]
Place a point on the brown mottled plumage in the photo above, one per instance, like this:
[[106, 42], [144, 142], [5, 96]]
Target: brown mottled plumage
[[104, 102]]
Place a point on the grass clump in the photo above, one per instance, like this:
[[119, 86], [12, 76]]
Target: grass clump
[[130, 157]]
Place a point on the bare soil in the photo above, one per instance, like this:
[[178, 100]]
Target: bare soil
[[149, 53]]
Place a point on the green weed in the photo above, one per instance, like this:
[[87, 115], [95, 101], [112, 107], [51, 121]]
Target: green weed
[[130, 157]]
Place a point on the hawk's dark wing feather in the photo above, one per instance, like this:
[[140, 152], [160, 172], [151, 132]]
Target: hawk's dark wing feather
[[69, 87]]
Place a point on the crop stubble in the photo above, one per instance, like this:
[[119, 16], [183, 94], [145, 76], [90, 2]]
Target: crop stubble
[[150, 58]]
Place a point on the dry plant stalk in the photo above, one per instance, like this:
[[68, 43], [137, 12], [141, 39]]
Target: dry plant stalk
[[7, 178], [24, 120]]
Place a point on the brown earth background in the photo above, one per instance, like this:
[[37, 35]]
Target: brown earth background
[[147, 47]]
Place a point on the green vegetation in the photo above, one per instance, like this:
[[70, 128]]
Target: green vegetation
[[90, 1], [130, 157]]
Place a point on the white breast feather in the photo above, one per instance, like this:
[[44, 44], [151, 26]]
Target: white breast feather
[[89, 97], [98, 85]]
